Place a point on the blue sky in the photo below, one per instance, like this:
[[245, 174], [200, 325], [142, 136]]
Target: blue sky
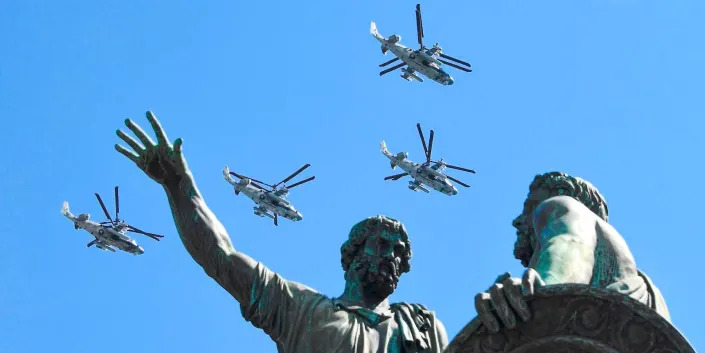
[[612, 91]]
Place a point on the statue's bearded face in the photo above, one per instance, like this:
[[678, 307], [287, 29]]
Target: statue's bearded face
[[379, 264], [524, 223]]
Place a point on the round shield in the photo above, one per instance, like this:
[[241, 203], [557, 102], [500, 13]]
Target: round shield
[[577, 319]]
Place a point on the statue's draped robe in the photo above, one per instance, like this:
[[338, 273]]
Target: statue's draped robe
[[643, 289], [302, 320]]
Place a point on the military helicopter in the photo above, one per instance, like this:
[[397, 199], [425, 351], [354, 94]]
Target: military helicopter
[[110, 234], [423, 60], [273, 200], [425, 173]]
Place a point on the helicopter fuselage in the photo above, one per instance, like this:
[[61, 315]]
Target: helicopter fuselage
[[267, 201], [422, 174], [420, 60], [108, 237]]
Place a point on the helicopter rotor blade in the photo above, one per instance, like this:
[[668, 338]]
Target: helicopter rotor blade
[[423, 140], [457, 181], [459, 168], [117, 204], [293, 174], [396, 176], [301, 182], [455, 66], [246, 177], [103, 206], [259, 187], [388, 62], [151, 235], [430, 148], [454, 59], [419, 25], [391, 69]]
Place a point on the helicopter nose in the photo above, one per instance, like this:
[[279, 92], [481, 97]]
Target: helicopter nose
[[299, 216], [449, 81], [454, 191], [140, 251]]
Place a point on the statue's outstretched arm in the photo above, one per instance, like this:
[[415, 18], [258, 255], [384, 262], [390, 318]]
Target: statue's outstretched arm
[[202, 234], [566, 238], [207, 241]]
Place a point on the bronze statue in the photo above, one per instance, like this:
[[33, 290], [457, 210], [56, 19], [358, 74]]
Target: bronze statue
[[563, 238], [296, 317]]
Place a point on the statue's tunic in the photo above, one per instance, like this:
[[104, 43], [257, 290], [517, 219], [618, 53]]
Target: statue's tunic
[[643, 289], [302, 320]]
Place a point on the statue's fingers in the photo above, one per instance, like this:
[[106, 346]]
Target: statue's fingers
[[499, 301], [158, 130], [130, 141], [512, 291], [530, 281], [484, 312], [146, 141], [129, 154], [502, 277], [177, 145]]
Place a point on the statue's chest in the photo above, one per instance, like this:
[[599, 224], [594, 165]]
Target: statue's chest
[[353, 332]]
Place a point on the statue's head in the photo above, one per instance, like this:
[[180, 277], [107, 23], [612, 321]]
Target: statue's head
[[544, 187], [375, 255]]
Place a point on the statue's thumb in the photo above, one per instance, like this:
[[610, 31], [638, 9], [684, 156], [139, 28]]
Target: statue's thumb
[[177, 144]]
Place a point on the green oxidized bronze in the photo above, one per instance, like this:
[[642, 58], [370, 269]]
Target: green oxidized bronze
[[296, 317]]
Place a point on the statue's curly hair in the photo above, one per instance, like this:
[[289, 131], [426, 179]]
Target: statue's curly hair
[[371, 226], [558, 183]]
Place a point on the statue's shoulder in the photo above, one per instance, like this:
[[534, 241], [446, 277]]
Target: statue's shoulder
[[561, 204], [413, 310]]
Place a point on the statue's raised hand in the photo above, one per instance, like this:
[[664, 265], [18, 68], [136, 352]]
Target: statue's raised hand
[[161, 161]]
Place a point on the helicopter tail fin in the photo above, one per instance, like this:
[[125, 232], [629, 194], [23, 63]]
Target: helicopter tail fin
[[375, 33], [383, 148], [226, 175], [65, 210]]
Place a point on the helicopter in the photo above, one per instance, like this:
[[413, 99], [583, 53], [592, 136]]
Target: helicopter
[[423, 60], [267, 201], [110, 234], [426, 173]]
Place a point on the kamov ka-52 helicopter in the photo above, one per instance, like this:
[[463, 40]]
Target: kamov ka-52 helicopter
[[424, 173], [273, 200], [110, 234], [423, 60]]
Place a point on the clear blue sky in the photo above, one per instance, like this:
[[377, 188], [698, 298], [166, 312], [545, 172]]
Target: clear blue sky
[[613, 91]]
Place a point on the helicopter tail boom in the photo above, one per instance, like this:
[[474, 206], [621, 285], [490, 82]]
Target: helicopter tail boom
[[393, 160], [379, 37]]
